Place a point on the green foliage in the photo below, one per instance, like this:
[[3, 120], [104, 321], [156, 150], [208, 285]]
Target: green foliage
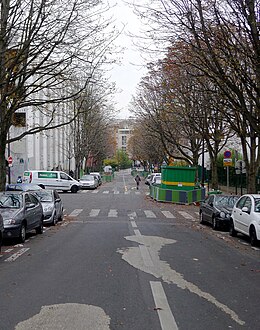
[[123, 159]]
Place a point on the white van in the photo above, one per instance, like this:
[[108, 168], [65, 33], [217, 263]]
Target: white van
[[52, 180]]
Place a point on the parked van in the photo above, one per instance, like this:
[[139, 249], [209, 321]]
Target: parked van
[[52, 180]]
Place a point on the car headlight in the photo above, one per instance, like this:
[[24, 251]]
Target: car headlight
[[224, 215], [47, 209], [9, 222]]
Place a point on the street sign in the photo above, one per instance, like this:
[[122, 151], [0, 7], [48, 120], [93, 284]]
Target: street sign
[[10, 160], [227, 162], [227, 154], [240, 167]]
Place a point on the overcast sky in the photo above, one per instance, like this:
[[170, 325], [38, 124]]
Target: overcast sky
[[128, 74]]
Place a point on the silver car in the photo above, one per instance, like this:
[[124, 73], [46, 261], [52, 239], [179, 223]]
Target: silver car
[[88, 182], [1, 231], [21, 212], [51, 204]]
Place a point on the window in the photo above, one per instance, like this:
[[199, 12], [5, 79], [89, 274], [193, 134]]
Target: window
[[123, 140]]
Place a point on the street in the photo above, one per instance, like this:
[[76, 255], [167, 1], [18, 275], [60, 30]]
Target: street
[[120, 260]]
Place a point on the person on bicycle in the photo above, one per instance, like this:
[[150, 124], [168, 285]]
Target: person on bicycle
[[137, 180]]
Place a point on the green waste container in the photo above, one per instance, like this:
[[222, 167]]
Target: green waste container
[[215, 192]]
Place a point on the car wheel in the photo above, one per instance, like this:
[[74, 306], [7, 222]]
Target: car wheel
[[55, 219], [22, 235], [214, 224], [201, 218], [39, 230], [61, 216], [253, 237], [74, 189], [232, 231]]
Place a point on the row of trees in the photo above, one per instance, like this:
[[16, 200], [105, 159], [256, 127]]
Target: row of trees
[[52, 54], [206, 88]]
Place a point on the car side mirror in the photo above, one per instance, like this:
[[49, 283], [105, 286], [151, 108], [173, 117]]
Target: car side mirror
[[29, 205], [245, 209]]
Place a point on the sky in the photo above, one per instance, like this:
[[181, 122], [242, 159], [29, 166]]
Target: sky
[[132, 68]]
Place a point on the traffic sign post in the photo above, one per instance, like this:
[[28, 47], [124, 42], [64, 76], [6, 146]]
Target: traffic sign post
[[10, 161], [227, 162]]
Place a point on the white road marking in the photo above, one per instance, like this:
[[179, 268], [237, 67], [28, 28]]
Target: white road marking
[[106, 192], [127, 192], [95, 191], [116, 192], [185, 215], [149, 214], [132, 215], [166, 317], [133, 223], [76, 212], [112, 213], [137, 193], [137, 232], [146, 256], [8, 250], [164, 271], [94, 212], [168, 214], [16, 255], [66, 317]]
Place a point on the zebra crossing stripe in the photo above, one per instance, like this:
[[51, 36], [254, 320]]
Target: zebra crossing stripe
[[116, 192], [95, 191], [132, 215], [106, 192], [168, 214], [112, 213], [185, 215], [76, 212], [94, 212], [149, 214]]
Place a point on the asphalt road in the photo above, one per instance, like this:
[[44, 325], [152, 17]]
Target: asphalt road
[[120, 260]]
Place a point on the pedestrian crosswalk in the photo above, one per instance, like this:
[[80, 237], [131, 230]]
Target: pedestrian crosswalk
[[111, 192], [132, 215]]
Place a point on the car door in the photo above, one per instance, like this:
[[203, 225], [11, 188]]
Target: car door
[[29, 212], [208, 208], [57, 203], [64, 181], [246, 216], [237, 213]]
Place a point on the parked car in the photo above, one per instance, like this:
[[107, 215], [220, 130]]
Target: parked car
[[98, 176], [51, 204], [88, 181], [21, 212], [22, 187], [217, 209], [1, 231], [156, 178], [245, 217], [52, 180], [147, 179], [153, 178]]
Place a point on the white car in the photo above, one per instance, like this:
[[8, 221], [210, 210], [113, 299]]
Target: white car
[[153, 178], [88, 181], [245, 217]]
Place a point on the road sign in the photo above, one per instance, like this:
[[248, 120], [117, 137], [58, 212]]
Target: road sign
[[240, 167], [227, 162], [10, 160], [227, 154]]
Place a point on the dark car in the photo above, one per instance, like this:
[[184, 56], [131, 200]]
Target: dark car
[[22, 187], [51, 204], [21, 212], [217, 209], [1, 231]]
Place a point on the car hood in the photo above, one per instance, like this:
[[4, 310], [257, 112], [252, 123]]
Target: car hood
[[47, 205], [9, 213], [226, 209]]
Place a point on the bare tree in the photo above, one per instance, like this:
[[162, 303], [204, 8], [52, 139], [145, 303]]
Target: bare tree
[[224, 38], [49, 50]]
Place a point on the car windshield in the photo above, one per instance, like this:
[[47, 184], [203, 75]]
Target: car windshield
[[226, 200], [44, 196], [87, 177], [12, 201], [257, 205]]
